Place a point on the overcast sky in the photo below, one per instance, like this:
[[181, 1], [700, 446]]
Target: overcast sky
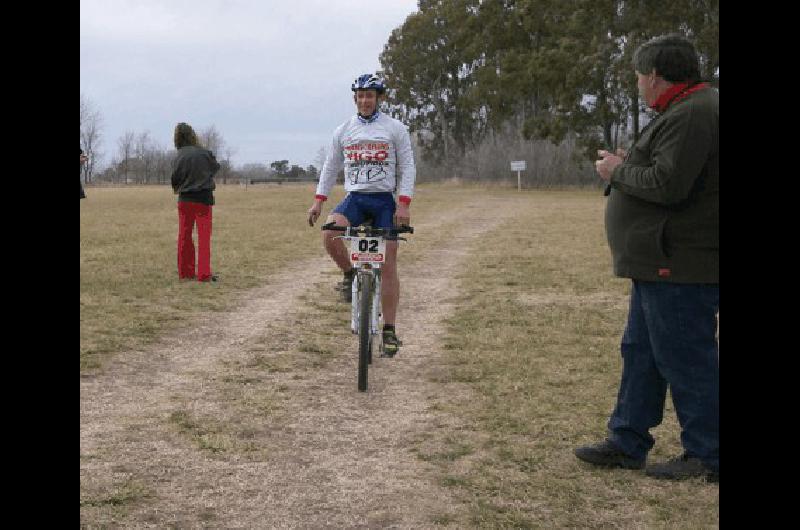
[[272, 76]]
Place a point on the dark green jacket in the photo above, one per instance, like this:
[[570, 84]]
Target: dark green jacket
[[662, 216], [193, 174]]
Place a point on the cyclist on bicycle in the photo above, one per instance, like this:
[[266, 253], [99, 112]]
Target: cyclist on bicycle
[[375, 151]]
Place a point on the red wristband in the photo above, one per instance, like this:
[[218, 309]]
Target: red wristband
[[404, 199], [323, 198]]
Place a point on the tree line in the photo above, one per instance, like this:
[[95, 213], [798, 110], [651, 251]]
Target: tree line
[[501, 77], [483, 82], [140, 159]]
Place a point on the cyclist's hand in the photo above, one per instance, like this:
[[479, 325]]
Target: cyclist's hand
[[314, 212], [402, 216]]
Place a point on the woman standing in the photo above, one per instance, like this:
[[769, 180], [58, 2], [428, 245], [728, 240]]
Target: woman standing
[[193, 180]]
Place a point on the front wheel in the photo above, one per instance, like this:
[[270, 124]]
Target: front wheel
[[364, 331]]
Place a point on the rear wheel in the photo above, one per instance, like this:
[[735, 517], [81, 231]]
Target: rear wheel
[[364, 333]]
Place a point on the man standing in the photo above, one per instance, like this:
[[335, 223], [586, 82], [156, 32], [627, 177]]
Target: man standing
[[375, 151], [662, 224]]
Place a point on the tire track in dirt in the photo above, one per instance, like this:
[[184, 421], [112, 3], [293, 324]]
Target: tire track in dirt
[[333, 458]]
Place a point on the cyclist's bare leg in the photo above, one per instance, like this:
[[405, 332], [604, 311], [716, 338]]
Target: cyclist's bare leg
[[390, 284], [335, 247]]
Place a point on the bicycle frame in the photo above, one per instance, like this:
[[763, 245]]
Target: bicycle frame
[[366, 256], [374, 320], [373, 268]]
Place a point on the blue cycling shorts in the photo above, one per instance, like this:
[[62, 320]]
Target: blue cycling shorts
[[358, 206]]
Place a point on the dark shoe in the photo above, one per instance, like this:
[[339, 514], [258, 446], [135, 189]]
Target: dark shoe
[[212, 278], [680, 468], [390, 343], [346, 286], [607, 454]]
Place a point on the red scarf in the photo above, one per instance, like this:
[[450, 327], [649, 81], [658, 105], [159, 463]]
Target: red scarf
[[675, 93]]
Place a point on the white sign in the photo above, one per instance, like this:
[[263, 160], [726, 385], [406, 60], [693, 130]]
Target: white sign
[[518, 165]]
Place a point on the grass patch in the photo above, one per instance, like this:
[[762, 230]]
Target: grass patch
[[443, 520], [452, 450], [120, 495], [130, 293], [535, 337], [205, 433]]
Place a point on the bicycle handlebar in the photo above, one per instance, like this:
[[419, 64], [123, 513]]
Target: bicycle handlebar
[[370, 231]]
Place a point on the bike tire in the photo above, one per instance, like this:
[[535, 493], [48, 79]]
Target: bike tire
[[364, 333]]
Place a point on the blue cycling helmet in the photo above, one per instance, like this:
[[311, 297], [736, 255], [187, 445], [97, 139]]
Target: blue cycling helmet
[[367, 82]]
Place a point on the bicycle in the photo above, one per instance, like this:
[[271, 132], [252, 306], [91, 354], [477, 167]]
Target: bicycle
[[367, 254]]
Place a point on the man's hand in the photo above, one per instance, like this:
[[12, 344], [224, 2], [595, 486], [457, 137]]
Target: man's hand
[[314, 212], [402, 216], [609, 161]]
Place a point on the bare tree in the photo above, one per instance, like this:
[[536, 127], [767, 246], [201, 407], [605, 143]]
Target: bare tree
[[125, 145], [226, 163], [322, 154], [163, 165], [144, 151], [212, 139], [254, 171], [91, 127], [110, 174]]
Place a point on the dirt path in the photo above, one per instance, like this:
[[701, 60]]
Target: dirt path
[[166, 438]]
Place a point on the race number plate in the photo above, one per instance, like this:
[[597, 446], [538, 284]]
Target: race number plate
[[367, 250]]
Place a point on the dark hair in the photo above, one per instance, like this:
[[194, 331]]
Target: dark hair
[[673, 57], [184, 135]]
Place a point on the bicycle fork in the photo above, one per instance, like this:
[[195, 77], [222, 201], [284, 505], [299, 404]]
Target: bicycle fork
[[375, 319]]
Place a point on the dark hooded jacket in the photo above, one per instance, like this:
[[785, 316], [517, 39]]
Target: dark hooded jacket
[[193, 175]]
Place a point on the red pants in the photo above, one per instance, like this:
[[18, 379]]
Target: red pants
[[190, 213]]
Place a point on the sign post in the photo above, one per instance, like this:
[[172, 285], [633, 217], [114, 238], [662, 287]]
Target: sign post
[[518, 165]]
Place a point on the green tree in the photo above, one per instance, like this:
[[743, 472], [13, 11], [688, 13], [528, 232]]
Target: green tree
[[464, 69], [296, 172], [280, 166], [427, 70]]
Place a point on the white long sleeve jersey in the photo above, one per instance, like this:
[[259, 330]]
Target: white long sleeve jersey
[[376, 156]]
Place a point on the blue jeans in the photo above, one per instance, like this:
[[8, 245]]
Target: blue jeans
[[669, 340]]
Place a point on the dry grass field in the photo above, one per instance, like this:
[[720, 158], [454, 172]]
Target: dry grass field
[[234, 404], [129, 288]]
